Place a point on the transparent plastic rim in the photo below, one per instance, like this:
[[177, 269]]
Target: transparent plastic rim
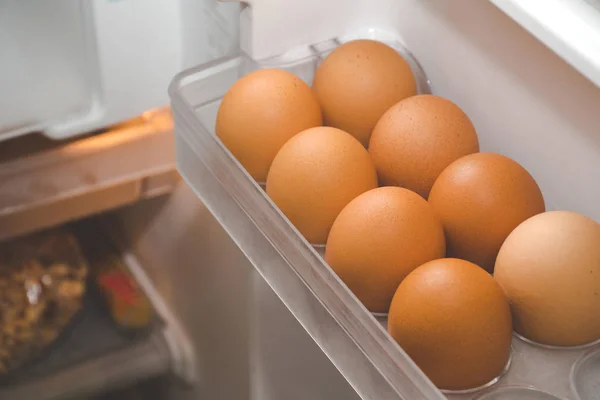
[[299, 54], [531, 389], [379, 315], [550, 347], [575, 369], [485, 385]]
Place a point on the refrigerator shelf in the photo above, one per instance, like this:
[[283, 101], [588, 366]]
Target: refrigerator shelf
[[93, 356], [49, 183]]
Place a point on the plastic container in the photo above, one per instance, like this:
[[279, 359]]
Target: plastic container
[[43, 287], [354, 340]]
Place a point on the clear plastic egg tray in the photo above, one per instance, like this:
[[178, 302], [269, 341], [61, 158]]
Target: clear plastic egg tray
[[355, 341]]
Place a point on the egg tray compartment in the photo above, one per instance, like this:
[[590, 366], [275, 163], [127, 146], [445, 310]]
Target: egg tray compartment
[[555, 371], [537, 372], [353, 339]]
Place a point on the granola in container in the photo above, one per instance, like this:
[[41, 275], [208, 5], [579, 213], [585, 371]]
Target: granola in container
[[42, 286]]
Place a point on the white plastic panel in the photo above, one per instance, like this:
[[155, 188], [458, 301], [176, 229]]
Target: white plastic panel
[[45, 69], [137, 46], [210, 30], [72, 66], [140, 45], [569, 27], [264, 22]]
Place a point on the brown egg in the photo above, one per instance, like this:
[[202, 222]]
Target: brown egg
[[549, 267], [357, 82], [417, 138], [454, 321], [480, 199], [260, 112], [379, 238], [314, 176]]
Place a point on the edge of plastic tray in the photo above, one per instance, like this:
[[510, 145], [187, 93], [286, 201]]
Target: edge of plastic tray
[[372, 362]]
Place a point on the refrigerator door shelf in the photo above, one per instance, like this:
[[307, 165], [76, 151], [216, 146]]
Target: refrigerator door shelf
[[524, 101]]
